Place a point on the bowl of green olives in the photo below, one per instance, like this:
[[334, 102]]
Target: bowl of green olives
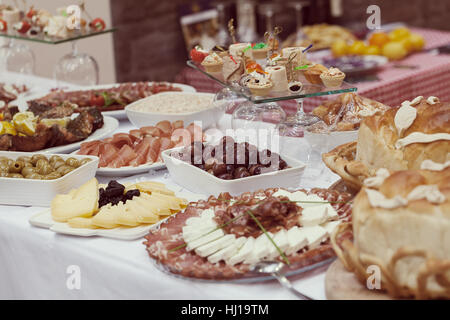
[[34, 179]]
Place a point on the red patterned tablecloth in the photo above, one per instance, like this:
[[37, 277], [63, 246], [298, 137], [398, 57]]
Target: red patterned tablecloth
[[430, 77]]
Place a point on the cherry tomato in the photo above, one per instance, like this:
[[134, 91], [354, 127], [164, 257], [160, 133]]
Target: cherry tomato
[[23, 27], [31, 12], [3, 26], [97, 100], [97, 24], [198, 56]]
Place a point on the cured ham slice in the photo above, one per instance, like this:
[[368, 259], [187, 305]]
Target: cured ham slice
[[123, 158], [141, 146], [107, 152]]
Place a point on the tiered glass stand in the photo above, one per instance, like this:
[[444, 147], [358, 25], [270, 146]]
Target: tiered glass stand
[[75, 67], [249, 115]]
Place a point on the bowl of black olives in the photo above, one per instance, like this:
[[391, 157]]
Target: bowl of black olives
[[229, 166]]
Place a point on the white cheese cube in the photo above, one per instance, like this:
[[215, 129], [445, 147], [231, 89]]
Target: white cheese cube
[[330, 226], [227, 251], [312, 216], [216, 245], [208, 214], [312, 200], [281, 240], [260, 250], [315, 235], [331, 212], [205, 239], [297, 240], [193, 221], [190, 233], [243, 253]]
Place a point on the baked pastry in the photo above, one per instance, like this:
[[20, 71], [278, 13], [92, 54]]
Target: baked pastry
[[402, 138], [401, 224], [212, 63], [332, 78], [279, 78], [312, 74], [259, 51], [233, 68], [259, 86], [347, 111]]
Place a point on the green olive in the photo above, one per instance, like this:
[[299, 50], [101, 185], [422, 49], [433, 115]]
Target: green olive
[[54, 159], [45, 169], [63, 168], [15, 175], [24, 159], [4, 166], [27, 164], [42, 162], [26, 171], [34, 176], [35, 158], [73, 162], [16, 167], [84, 161], [3, 159], [52, 176], [58, 164], [4, 174]]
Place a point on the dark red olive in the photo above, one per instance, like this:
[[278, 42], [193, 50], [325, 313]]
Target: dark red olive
[[282, 165], [209, 163], [241, 172], [225, 176], [219, 169], [230, 168]]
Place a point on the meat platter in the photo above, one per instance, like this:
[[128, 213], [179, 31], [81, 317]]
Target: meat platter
[[217, 240]]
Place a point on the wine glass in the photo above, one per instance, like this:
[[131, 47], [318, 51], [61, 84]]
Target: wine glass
[[246, 121], [227, 101], [298, 7], [272, 112], [77, 68], [223, 37], [17, 57]]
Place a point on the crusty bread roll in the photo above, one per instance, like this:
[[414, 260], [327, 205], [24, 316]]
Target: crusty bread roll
[[410, 242]]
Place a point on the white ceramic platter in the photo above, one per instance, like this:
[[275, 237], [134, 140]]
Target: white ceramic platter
[[44, 220], [109, 126], [21, 102]]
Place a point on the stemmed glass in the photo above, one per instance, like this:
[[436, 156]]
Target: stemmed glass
[[77, 68], [17, 57], [223, 37], [298, 7], [294, 125]]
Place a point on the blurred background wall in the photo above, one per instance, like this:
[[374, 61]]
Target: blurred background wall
[[149, 43]]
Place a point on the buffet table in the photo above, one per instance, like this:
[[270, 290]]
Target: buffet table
[[422, 73], [36, 263]]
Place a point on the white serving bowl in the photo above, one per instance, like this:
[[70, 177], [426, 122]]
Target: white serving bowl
[[199, 181], [206, 117], [326, 142], [26, 192]]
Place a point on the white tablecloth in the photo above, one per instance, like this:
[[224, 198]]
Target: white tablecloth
[[34, 264]]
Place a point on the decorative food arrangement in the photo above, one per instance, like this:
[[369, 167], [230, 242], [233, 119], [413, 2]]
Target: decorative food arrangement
[[284, 70], [44, 127], [394, 45], [230, 160], [223, 237], [33, 23], [401, 223], [415, 135], [346, 111], [107, 99], [141, 146], [38, 167], [115, 205]]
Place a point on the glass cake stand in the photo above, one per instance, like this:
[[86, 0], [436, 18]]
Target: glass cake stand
[[75, 67]]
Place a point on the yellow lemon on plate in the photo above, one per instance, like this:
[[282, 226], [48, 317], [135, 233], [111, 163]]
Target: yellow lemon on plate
[[339, 48], [25, 122], [394, 50], [7, 128], [407, 44], [417, 41], [357, 48], [399, 34], [373, 50]]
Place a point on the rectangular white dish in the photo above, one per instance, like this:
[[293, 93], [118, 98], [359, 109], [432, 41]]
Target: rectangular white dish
[[44, 220], [198, 180], [26, 192]]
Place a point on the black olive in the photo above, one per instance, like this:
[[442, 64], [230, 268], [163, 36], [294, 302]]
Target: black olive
[[225, 176], [219, 169]]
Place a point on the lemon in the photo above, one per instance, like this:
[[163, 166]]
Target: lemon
[[25, 122], [339, 48], [60, 121], [417, 41], [373, 50], [394, 50], [357, 48], [399, 34], [7, 128]]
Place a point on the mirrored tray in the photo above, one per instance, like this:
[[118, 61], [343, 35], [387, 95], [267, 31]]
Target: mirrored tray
[[42, 38], [309, 90]]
